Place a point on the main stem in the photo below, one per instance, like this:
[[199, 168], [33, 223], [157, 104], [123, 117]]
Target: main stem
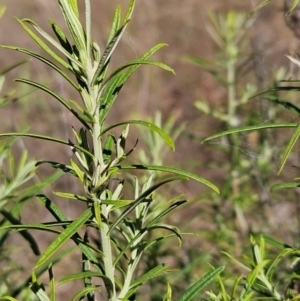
[[232, 105], [100, 165], [104, 227]]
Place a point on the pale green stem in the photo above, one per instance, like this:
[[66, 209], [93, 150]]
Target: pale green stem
[[107, 251], [135, 257], [231, 88], [88, 25], [232, 105], [98, 160], [104, 228]]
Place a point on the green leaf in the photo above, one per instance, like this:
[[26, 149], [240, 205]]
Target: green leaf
[[114, 86], [165, 212], [129, 10], [200, 284], [172, 170], [155, 272], [65, 236], [168, 296], [285, 104], [237, 262], [108, 148], [284, 185], [56, 212], [55, 44], [251, 278], [73, 5], [62, 168], [150, 126], [78, 171], [83, 292], [61, 37], [274, 242], [294, 4], [287, 251], [261, 5], [70, 13], [48, 138], [26, 235], [72, 196], [289, 147], [169, 228], [114, 38], [107, 55], [11, 67], [38, 226], [115, 24], [252, 128], [141, 199], [56, 96], [44, 60], [139, 62], [52, 283], [82, 275], [8, 298], [43, 45], [38, 288]]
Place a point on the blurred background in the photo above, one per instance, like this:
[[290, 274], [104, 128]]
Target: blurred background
[[224, 222]]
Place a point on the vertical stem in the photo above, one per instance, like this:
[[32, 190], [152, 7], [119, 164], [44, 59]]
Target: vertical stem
[[104, 227], [232, 105], [99, 166], [107, 251]]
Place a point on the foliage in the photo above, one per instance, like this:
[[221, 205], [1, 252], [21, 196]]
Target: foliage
[[240, 195], [267, 278]]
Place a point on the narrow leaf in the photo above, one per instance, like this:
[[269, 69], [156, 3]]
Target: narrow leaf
[[65, 236], [55, 44], [44, 60], [56, 212], [55, 95], [175, 171], [252, 128], [41, 43], [72, 20], [294, 4], [48, 138], [155, 272], [82, 275], [114, 86], [139, 62], [26, 235], [284, 185], [261, 5], [289, 147], [108, 53], [115, 24], [150, 126], [141, 199], [73, 4], [52, 283], [251, 278], [200, 284], [83, 292], [11, 67]]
